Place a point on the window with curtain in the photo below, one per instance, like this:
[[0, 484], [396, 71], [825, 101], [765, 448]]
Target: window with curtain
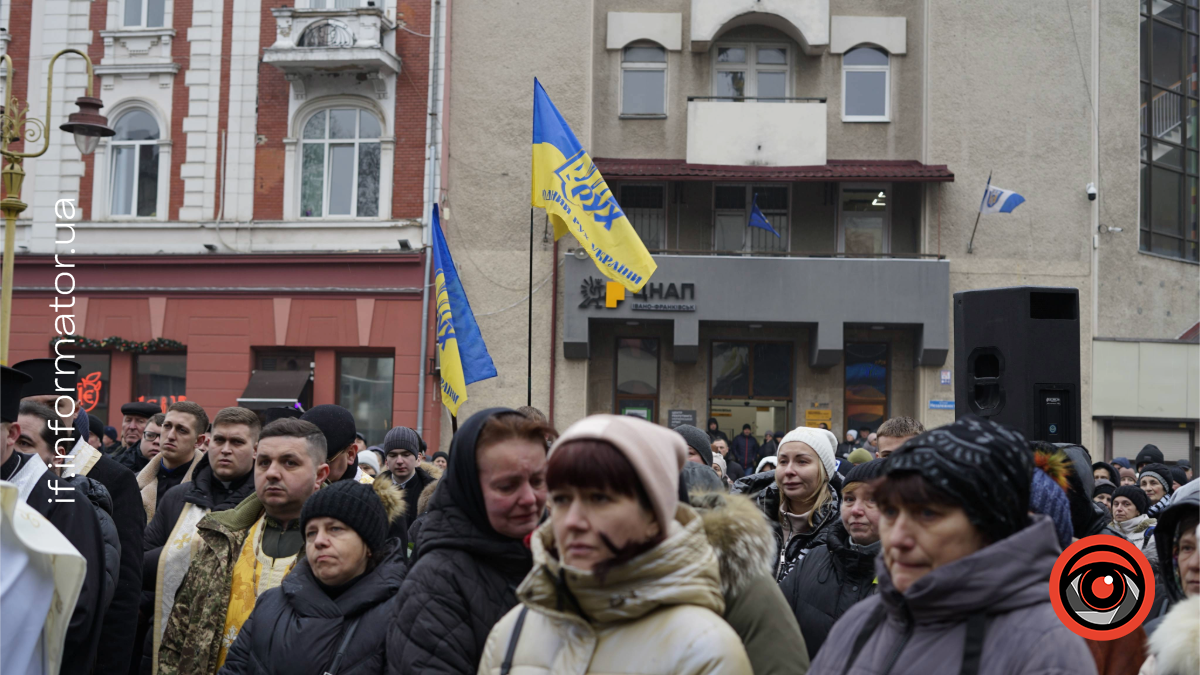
[[752, 71], [144, 13], [644, 81], [135, 165], [865, 85], [1170, 180], [340, 154]]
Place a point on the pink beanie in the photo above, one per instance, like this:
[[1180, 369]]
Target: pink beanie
[[656, 453]]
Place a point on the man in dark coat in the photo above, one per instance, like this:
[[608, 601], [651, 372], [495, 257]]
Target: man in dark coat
[[463, 574], [745, 449], [402, 451], [120, 620], [135, 416], [75, 518], [714, 431]]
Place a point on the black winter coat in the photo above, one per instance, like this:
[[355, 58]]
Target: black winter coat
[[131, 457], [827, 582], [762, 489], [97, 495], [463, 576], [118, 631], [298, 628]]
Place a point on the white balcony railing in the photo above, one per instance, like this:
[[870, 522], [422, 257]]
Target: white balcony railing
[[311, 41], [747, 132]]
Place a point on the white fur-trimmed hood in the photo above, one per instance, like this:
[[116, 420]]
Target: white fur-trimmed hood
[[740, 535], [1175, 644]]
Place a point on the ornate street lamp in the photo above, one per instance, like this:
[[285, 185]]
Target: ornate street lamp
[[88, 126]]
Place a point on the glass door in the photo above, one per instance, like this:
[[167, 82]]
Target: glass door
[[865, 218]]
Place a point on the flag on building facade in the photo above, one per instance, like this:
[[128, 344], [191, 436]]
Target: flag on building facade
[[999, 200], [463, 356], [757, 219], [567, 184]]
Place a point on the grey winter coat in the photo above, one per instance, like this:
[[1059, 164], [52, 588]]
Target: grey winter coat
[[761, 487], [993, 604]]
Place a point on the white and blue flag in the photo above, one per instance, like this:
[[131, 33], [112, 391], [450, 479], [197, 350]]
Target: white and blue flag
[[999, 200]]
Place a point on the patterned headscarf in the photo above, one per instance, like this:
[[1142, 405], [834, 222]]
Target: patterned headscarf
[[985, 467]]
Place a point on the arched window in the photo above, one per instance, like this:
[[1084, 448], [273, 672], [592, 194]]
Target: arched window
[[865, 85], [339, 173], [135, 165], [644, 80]]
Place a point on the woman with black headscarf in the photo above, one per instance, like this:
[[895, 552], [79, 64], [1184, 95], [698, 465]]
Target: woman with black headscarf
[[469, 554]]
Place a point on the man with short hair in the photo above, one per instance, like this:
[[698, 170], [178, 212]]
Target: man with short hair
[[72, 515], [732, 469], [894, 432], [182, 431], [244, 551], [745, 448], [338, 426], [223, 478], [401, 449]]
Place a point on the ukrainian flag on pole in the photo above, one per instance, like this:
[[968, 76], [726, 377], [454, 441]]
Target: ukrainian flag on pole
[[575, 196], [463, 355]]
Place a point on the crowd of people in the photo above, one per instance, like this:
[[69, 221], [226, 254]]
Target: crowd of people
[[279, 542]]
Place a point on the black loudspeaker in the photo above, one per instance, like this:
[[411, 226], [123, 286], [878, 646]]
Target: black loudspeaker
[[1016, 359]]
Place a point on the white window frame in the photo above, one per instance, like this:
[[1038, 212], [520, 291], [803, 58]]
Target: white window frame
[[888, 188], [328, 157], [887, 85], [144, 13], [666, 188], [752, 67], [102, 182], [785, 237], [644, 65]]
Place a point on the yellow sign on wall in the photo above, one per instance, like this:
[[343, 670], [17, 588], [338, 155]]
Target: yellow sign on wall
[[815, 415]]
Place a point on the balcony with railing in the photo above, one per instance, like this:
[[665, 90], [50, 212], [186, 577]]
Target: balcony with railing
[[339, 40]]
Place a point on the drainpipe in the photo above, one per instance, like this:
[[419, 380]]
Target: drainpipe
[[432, 171]]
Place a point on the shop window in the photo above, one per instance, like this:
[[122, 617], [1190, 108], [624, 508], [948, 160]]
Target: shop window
[[365, 389], [637, 377], [752, 71], [340, 164], [732, 205], [644, 81], [135, 165], [867, 370], [285, 359], [91, 384], [866, 85], [752, 370], [646, 208], [160, 378], [144, 13], [1170, 182], [865, 212]]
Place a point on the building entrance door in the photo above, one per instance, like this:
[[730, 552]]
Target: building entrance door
[[751, 383]]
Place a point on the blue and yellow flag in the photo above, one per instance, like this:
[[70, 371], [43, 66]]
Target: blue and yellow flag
[[575, 196], [464, 357]]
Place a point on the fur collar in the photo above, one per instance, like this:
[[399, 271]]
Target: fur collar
[[1173, 644], [741, 536], [147, 482]]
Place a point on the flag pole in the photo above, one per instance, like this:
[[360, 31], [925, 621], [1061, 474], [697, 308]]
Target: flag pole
[[453, 425], [971, 244], [529, 333]]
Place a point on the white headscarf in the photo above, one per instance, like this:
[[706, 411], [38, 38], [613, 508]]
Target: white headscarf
[[820, 440]]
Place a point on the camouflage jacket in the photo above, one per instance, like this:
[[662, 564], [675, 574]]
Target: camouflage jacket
[[193, 635]]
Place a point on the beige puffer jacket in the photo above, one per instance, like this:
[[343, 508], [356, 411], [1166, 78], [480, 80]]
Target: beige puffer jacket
[[659, 613]]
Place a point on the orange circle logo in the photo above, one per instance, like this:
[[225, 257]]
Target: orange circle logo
[[1102, 587]]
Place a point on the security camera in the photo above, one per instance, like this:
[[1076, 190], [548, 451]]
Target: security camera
[[1091, 192]]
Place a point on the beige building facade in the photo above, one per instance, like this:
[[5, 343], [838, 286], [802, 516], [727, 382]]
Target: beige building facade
[[865, 132]]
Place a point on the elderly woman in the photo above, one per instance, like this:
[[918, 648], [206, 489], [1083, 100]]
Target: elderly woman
[[840, 572], [964, 568], [624, 578], [1155, 481], [797, 497], [330, 613], [469, 553]]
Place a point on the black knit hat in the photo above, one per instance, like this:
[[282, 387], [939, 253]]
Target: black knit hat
[[336, 423], [1104, 487], [353, 503], [441, 454], [865, 472], [1112, 470], [402, 438], [96, 427], [984, 467], [1178, 475], [1160, 473], [1134, 494], [1150, 454]]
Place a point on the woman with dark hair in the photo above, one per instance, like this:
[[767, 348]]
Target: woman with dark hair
[[841, 571], [624, 578], [330, 613], [469, 553], [798, 497], [964, 568]]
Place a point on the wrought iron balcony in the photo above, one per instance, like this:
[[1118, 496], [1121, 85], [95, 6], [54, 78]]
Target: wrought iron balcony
[[315, 41]]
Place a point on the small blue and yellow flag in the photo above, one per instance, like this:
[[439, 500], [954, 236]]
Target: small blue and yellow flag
[[463, 355], [577, 200]]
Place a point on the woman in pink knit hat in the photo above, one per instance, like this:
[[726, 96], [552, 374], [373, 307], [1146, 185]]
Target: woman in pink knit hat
[[624, 578]]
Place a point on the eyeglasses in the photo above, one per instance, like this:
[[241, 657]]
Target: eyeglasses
[[151, 435]]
